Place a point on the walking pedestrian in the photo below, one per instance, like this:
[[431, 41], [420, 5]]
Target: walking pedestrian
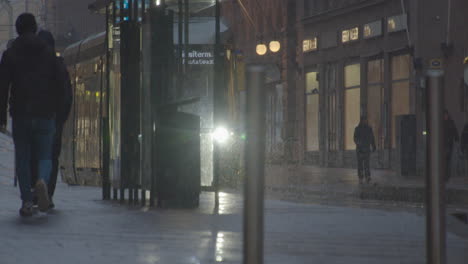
[[61, 118], [451, 136], [365, 144], [464, 146], [28, 78]]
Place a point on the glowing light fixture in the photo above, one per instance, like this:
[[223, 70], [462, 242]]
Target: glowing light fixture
[[275, 46], [261, 49], [220, 135]]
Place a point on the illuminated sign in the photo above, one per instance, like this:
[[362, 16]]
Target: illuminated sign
[[199, 57]]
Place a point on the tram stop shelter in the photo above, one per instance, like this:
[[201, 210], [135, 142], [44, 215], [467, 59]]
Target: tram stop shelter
[[164, 61]]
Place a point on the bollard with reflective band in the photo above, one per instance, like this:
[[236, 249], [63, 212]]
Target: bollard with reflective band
[[435, 181], [255, 166]]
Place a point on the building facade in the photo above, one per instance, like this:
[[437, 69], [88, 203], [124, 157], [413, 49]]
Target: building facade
[[68, 20], [369, 58], [73, 21], [11, 9], [344, 59], [260, 22]]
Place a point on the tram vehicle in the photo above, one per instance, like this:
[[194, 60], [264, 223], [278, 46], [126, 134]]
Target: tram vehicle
[[81, 157]]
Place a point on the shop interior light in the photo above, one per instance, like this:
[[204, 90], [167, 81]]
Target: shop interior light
[[261, 49], [466, 71], [275, 46]]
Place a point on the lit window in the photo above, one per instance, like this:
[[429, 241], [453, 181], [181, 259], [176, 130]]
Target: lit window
[[373, 29], [397, 23], [354, 33], [367, 31], [351, 34], [309, 45], [391, 24], [345, 36]]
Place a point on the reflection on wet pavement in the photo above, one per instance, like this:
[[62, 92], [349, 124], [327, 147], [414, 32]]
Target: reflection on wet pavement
[[85, 229]]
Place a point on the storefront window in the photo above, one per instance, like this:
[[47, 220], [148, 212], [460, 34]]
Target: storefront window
[[401, 67], [375, 99], [312, 111], [352, 101]]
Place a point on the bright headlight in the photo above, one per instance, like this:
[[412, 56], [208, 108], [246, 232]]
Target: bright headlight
[[220, 135]]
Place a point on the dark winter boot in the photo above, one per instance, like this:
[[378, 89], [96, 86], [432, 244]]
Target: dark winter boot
[[26, 209]]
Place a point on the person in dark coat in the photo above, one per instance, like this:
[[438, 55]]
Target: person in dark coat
[[365, 144], [28, 81], [464, 146], [61, 118], [451, 136]]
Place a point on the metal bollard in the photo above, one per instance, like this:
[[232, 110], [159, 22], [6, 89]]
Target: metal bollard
[[255, 166], [435, 185]]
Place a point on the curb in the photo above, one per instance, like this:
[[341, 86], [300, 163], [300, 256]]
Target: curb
[[366, 192], [409, 194]]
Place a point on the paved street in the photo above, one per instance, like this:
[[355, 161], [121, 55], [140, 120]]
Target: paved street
[[85, 229], [312, 183]]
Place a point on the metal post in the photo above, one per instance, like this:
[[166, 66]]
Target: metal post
[[217, 103], [130, 195], [136, 10], [435, 190], [186, 32], [106, 186], [121, 12], [122, 194], [255, 165], [130, 10], [143, 197], [180, 49], [135, 196]]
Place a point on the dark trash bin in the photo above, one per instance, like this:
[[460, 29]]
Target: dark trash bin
[[178, 172]]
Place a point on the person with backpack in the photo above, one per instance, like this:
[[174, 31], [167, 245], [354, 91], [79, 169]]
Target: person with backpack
[[61, 118], [365, 144], [29, 83]]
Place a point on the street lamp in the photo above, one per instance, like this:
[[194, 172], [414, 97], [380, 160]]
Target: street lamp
[[275, 46], [261, 49]]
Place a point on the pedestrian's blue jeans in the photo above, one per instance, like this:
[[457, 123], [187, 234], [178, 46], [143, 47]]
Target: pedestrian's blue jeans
[[33, 137]]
